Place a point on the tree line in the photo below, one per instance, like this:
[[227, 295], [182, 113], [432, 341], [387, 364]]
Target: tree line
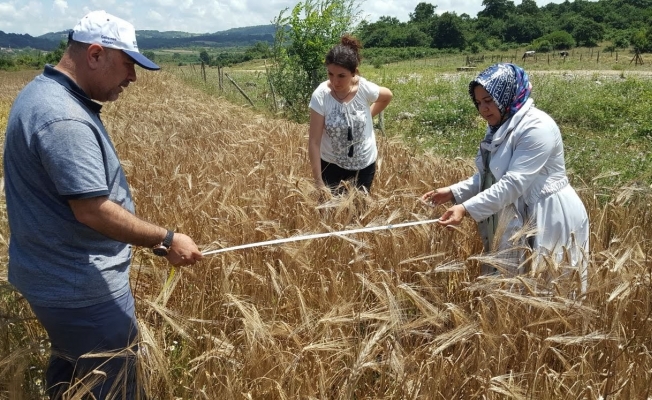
[[502, 24]]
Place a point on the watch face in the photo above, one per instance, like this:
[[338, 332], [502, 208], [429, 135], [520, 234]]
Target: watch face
[[160, 251]]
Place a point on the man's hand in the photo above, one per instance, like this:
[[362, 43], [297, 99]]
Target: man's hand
[[183, 251]]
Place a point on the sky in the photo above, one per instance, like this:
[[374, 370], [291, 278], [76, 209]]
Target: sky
[[37, 17]]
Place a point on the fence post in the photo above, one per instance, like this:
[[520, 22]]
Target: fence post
[[381, 122], [240, 90], [271, 87]]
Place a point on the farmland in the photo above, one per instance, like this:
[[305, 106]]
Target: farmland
[[397, 314]]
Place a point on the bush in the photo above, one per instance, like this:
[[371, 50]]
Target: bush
[[543, 46]]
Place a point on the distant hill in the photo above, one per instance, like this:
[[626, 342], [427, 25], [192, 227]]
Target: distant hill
[[246, 36], [152, 39], [18, 41]]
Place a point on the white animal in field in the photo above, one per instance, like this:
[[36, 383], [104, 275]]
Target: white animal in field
[[528, 54], [563, 53]]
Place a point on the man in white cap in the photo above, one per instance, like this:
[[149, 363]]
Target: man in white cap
[[71, 214]]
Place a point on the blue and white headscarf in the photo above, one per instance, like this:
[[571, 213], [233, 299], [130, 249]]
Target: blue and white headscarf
[[508, 85]]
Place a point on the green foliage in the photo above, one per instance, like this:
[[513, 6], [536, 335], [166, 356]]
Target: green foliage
[[204, 57], [447, 32], [558, 40], [497, 9], [523, 29], [302, 40], [54, 56], [389, 32], [150, 54], [260, 50], [390, 55], [588, 32], [423, 13], [542, 46], [7, 63], [642, 40], [502, 25]]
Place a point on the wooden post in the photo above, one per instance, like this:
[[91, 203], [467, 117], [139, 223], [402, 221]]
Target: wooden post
[[203, 71], [240, 90], [381, 122], [271, 87], [220, 77], [597, 58]]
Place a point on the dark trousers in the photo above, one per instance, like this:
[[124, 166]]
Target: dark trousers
[[77, 333], [333, 175]]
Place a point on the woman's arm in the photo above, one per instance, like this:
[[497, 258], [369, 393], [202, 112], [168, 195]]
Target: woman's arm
[[384, 97], [532, 150], [315, 133]]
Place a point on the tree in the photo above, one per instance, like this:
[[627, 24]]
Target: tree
[[204, 57], [302, 40], [559, 40], [423, 13], [588, 32], [498, 9], [527, 7], [54, 56], [642, 40], [259, 50], [149, 54], [522, 29], [447, 32]]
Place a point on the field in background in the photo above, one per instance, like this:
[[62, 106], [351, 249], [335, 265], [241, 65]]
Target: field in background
[[600, 102], [397, 314]]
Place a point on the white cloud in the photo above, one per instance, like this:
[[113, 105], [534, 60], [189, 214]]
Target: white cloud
[[60, 5], [154, 16]]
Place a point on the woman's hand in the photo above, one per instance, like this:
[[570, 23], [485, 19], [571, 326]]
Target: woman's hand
[[437, 196], [453, 216]]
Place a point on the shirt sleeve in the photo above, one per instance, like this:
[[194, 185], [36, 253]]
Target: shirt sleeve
[[317, 101], [531, 152], [370, 90], [72, 156]]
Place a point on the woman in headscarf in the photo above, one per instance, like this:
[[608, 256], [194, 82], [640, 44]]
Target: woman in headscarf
[[521, 178]]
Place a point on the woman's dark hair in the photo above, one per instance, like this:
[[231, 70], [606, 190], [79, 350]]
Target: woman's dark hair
[[346, 54]]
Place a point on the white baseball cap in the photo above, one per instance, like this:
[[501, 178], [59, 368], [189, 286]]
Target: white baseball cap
[[100, 27]]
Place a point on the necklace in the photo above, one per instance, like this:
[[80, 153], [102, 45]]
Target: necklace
[[342, 98]]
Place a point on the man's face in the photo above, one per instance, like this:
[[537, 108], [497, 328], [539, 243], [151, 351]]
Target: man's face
[[116, 72]]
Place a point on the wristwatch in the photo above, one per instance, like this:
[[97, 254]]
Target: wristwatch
[[162, 249]]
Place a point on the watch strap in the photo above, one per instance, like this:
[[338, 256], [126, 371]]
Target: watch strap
[[167, 242]]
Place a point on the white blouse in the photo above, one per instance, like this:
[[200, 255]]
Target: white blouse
[[338, 117]]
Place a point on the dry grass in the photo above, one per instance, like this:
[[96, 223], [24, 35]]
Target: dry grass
[[387, 315]]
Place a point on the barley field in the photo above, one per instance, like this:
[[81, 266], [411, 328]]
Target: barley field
[[393, 314]]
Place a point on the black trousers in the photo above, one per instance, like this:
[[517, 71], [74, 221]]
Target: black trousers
[[333, 175]]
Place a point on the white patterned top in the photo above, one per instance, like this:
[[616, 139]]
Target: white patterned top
[[338, 117]]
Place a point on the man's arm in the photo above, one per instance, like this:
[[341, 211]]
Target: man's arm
[[113, 221]]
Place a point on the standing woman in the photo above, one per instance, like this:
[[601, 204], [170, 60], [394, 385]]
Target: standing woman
[[342, 143], [521, 175]]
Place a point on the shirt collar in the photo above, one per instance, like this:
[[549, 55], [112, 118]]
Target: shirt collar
[[65, 81]]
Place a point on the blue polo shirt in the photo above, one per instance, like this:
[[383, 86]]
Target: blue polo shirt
[[57, 149]]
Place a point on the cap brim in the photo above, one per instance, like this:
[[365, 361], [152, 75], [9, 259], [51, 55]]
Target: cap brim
[[142, 60]]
